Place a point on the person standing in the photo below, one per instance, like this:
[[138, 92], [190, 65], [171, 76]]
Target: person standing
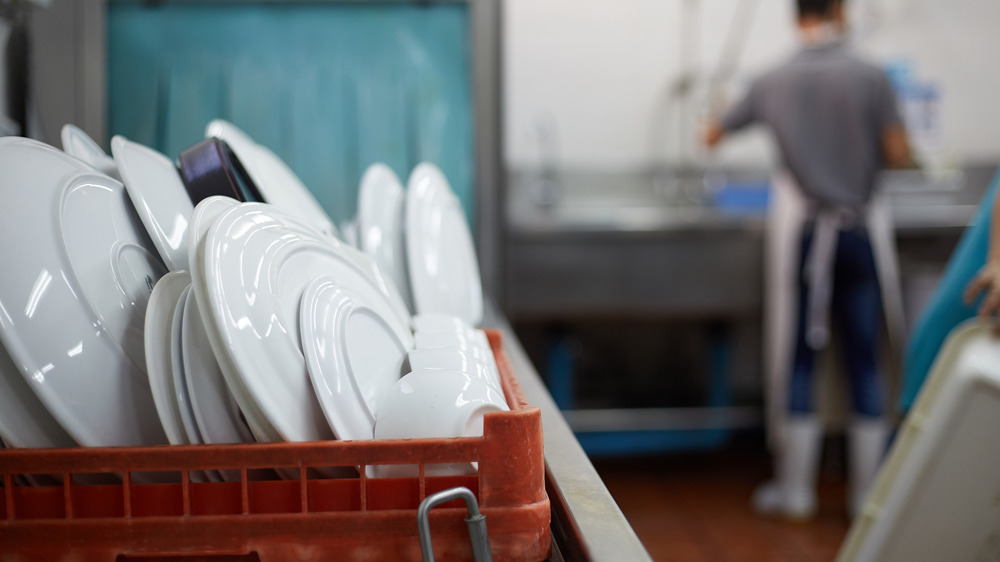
[[836, 123]]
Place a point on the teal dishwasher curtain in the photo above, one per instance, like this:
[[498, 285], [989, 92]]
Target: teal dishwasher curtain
[[945, 310], [331, 88]]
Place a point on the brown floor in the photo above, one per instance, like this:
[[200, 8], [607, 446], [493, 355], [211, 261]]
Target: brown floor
[[696, 508]]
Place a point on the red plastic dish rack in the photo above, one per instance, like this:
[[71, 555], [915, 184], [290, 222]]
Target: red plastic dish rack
[[308, 518]]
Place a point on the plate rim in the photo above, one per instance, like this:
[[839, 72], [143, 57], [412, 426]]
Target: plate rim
[[206, 213], [329, 323], [296, 238], [125, 151], [423, 199], [93, 155], [201, 409], [158, 337], [380, 183]]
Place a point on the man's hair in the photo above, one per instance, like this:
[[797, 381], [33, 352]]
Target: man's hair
[[820, 8]]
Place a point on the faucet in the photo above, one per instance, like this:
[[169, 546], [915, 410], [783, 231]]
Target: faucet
[[545, 186]]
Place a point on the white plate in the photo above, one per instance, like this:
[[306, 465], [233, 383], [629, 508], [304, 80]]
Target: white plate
[[349, 230], [182, 397], [380, 225], [257, 262], [212, 208], [215, 409], [155, 188], [205, 213], [74, 288], [24, 420], [79, 145], [207, 210], [189, 424], [444, 271], [354, 351], [159, 355], [367, 264], [275, 181]]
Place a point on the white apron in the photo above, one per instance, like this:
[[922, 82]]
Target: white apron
[[786, 215]]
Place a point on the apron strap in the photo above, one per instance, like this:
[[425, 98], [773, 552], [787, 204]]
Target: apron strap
[[818, 270]]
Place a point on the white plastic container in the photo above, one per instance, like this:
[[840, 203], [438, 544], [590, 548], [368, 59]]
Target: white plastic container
[[937, 497]]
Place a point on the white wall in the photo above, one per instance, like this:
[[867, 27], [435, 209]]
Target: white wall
[[595, 75], [956, 44]]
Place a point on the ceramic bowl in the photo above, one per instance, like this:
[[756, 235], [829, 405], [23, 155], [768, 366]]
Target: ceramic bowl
[[434, 403]]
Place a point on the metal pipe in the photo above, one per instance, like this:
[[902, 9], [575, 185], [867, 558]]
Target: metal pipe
[[476, 522]]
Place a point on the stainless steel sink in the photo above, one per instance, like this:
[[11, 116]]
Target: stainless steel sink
[[628, 244], [667, 201], [618, 202]]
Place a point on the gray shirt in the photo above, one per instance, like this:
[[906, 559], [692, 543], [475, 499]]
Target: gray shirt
[[828, 109]]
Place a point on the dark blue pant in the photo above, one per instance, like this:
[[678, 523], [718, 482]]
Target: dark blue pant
[[856, 313]]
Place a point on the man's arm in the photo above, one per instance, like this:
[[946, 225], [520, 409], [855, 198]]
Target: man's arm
[[739, 116], [895, 147]]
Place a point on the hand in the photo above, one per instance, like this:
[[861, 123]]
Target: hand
[[988, 281], [711, 134]]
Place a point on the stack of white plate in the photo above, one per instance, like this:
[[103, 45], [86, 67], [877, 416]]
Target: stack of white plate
[[421, 238], [130, 316]]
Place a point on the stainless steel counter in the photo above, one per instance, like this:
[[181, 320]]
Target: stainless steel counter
[[632, 244], [586, 522]]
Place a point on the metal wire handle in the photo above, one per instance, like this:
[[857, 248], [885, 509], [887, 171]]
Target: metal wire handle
[[476, 522]]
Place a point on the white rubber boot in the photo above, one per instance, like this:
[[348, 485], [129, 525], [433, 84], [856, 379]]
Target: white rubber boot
[[793, 492], [867, 437]]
